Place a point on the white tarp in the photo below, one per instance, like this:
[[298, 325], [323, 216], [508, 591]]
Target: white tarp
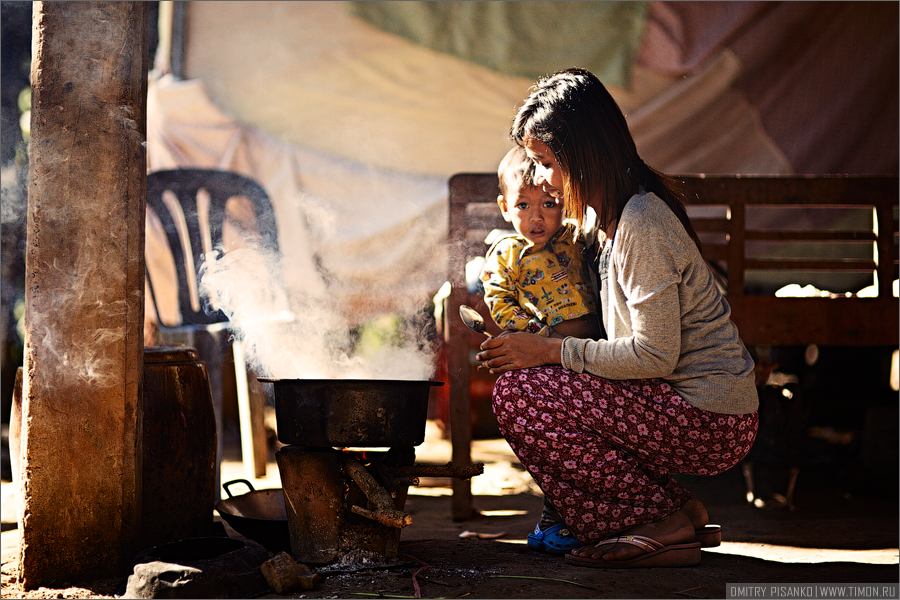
[[354, 132]]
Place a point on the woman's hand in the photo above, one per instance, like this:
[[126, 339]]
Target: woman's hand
[[518, 350]]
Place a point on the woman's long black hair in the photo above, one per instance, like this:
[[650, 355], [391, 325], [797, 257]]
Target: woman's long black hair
[[577, 118]]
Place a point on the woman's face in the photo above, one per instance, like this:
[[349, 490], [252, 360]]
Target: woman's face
[[548, 173]]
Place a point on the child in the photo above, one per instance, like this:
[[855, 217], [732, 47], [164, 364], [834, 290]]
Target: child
[[536, 281]]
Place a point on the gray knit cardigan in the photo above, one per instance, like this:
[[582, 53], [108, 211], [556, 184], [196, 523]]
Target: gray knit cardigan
[[664, 316]]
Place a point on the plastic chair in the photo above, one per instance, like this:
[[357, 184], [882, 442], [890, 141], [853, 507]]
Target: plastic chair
[[193, 227]]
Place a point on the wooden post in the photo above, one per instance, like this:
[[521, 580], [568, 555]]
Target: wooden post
[[83, 364], [462, 189]]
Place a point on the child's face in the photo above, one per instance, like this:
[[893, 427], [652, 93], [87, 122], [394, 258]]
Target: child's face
[[535, 214], [547, 172]]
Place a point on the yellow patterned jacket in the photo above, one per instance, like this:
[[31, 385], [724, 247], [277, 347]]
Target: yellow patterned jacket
[[533, 288]]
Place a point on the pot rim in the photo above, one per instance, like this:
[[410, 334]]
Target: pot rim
[[336, 381]]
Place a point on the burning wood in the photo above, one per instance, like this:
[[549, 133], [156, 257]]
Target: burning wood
[[385, 512]]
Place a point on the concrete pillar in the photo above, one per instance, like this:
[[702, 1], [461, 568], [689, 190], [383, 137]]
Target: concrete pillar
[[83, 368]]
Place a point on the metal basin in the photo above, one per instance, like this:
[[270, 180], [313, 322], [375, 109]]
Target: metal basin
[[258, 515]]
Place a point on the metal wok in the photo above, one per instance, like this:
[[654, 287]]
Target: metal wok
[[258, 515], [351, 412]]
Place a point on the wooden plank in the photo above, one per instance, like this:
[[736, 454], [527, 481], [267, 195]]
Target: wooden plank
[[79, 504], [817, 235], [464, 191], [702, 224], [767, 320], [715, 252], [816, 190], [736, 251], [844, 265]]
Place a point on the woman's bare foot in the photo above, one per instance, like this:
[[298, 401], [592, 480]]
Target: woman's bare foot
[[674, 529], [696, 512]]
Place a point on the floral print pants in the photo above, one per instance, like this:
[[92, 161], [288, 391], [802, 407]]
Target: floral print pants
[[603, 451]]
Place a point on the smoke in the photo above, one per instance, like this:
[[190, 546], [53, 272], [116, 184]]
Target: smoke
[[84, 358], [309, 337], [13, 199], [78, 361]]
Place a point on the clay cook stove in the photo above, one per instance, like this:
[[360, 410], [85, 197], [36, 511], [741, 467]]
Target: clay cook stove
[[343, 492]]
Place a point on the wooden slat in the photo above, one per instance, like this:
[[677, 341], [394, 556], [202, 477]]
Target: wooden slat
[[838, 190], [465, 191], [725, 225], [767, 320], [715, 252], [845, 265], [819, 235]]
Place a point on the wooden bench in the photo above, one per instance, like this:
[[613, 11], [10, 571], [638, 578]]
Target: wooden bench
[[758, 233]]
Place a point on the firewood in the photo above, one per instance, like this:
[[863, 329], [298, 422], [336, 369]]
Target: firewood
[[284, 575], [389, 517], [385, 511], [448, 470]]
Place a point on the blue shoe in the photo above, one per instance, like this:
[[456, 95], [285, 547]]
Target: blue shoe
[[556, 539]]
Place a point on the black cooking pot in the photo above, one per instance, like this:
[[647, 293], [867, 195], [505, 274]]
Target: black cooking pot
[[258, 515], [351, 412]]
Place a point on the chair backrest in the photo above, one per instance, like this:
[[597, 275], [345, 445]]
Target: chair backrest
[[782, 228], [193, 226], [473, 214]]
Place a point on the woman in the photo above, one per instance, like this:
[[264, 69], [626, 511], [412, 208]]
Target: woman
[[602, 424]]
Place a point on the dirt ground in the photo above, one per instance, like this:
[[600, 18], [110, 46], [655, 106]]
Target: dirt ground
[[843, 530]]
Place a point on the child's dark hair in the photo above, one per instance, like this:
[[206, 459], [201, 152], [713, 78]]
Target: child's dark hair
[[515, 167], [578, 119]]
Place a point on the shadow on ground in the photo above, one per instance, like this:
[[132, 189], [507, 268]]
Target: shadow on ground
[[843, 530]]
